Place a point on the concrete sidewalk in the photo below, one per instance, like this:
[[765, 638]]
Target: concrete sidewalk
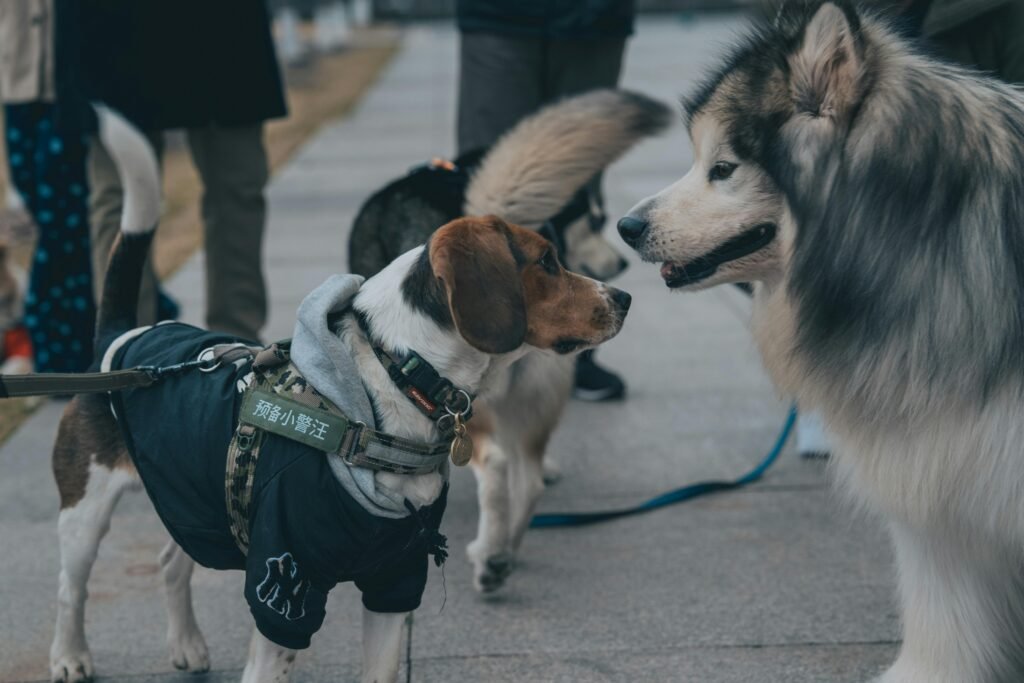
[[777, 583]]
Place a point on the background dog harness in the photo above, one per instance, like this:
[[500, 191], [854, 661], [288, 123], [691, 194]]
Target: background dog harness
[[306, 532]]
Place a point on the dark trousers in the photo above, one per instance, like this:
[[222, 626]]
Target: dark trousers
[[233, 166], [48, 170], [503, 79]]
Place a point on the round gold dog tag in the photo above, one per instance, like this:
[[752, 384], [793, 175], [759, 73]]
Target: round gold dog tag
[[461, 450]]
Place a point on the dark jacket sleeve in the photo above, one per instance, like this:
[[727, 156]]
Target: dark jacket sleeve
[[180, 64], [286, 597]]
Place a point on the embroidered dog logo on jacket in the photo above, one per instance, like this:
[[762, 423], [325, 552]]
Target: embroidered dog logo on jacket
[[281, 590]]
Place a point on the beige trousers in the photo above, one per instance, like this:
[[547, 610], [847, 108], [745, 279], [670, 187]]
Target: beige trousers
[[232, 165]]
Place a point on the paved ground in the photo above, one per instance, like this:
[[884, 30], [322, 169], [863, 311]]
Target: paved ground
[[778, 583]]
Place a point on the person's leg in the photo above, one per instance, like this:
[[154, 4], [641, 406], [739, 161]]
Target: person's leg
[[49, 172], [574, 67], [501, 80], [106, 199], [577, 66], [232, 163]]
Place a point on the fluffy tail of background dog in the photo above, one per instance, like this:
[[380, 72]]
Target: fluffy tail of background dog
[[137, 166], [536, 168]]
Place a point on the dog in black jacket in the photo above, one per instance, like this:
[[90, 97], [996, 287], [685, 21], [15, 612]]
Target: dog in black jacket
[[479, 295]]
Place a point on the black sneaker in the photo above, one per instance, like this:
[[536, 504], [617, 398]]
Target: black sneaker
[[594, 383]]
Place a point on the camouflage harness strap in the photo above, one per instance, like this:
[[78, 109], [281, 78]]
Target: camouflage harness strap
[[280, 401]]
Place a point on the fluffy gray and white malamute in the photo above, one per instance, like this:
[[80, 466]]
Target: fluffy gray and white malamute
[[876, 196]]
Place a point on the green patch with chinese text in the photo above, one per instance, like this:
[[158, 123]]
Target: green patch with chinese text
[[293, 420]]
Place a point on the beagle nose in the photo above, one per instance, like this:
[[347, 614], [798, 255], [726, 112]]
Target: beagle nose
[[632, 230], [621, 299]]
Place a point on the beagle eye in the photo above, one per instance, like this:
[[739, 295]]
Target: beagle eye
[[723, 170], [549, 262]]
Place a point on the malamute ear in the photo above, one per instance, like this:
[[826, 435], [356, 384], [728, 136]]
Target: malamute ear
[[473, 259], [827, 69]]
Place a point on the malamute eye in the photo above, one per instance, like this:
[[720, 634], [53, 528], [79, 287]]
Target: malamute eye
[[721, 171]]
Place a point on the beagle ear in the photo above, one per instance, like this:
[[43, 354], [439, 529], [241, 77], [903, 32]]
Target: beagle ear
[[827, 70], [473, 259]]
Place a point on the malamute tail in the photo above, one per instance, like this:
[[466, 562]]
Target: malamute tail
[[536, 168]]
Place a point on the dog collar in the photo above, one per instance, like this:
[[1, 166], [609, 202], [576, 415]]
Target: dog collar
[[434, 395]]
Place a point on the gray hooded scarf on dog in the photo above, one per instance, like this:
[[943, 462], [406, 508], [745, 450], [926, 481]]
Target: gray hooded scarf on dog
[[326, 363]]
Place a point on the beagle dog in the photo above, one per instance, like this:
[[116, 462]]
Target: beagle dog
[[478, 296]]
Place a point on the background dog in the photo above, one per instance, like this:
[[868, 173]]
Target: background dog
[[530, 176], [877, 197]]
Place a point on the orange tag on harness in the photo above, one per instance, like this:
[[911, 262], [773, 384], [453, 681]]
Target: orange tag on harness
[[438, 162]]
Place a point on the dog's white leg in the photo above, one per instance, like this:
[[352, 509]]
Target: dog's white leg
[[382, 646], [526, 486], [80, 528], [188, 648], [963, 619], [489, 552], [268, 662]]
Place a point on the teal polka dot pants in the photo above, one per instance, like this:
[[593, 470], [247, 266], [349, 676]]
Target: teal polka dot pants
[[48, 170]]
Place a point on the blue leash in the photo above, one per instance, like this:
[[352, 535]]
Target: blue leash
[[697, 490]]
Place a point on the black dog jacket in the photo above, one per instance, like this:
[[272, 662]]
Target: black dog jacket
[[307, 533]]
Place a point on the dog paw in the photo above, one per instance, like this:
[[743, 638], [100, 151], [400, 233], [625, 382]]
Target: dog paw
[[189, 653], [73, 667], [551, 473], [492, 573]]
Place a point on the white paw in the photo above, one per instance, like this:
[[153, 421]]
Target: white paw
[[72, 667], [189, 652], [490, 575], [551, 472]]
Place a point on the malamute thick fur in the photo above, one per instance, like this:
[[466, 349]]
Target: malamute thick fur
[[877, 197]]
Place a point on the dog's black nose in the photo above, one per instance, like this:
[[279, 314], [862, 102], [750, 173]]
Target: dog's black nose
[[632, 230], [621, 299]]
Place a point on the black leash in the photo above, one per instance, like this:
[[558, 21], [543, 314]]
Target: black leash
[[62, 383]]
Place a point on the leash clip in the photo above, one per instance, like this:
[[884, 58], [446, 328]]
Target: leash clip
[[153, 372], [208, 360]]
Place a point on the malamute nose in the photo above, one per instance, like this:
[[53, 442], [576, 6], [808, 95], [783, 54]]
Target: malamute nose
[[632, 230]]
